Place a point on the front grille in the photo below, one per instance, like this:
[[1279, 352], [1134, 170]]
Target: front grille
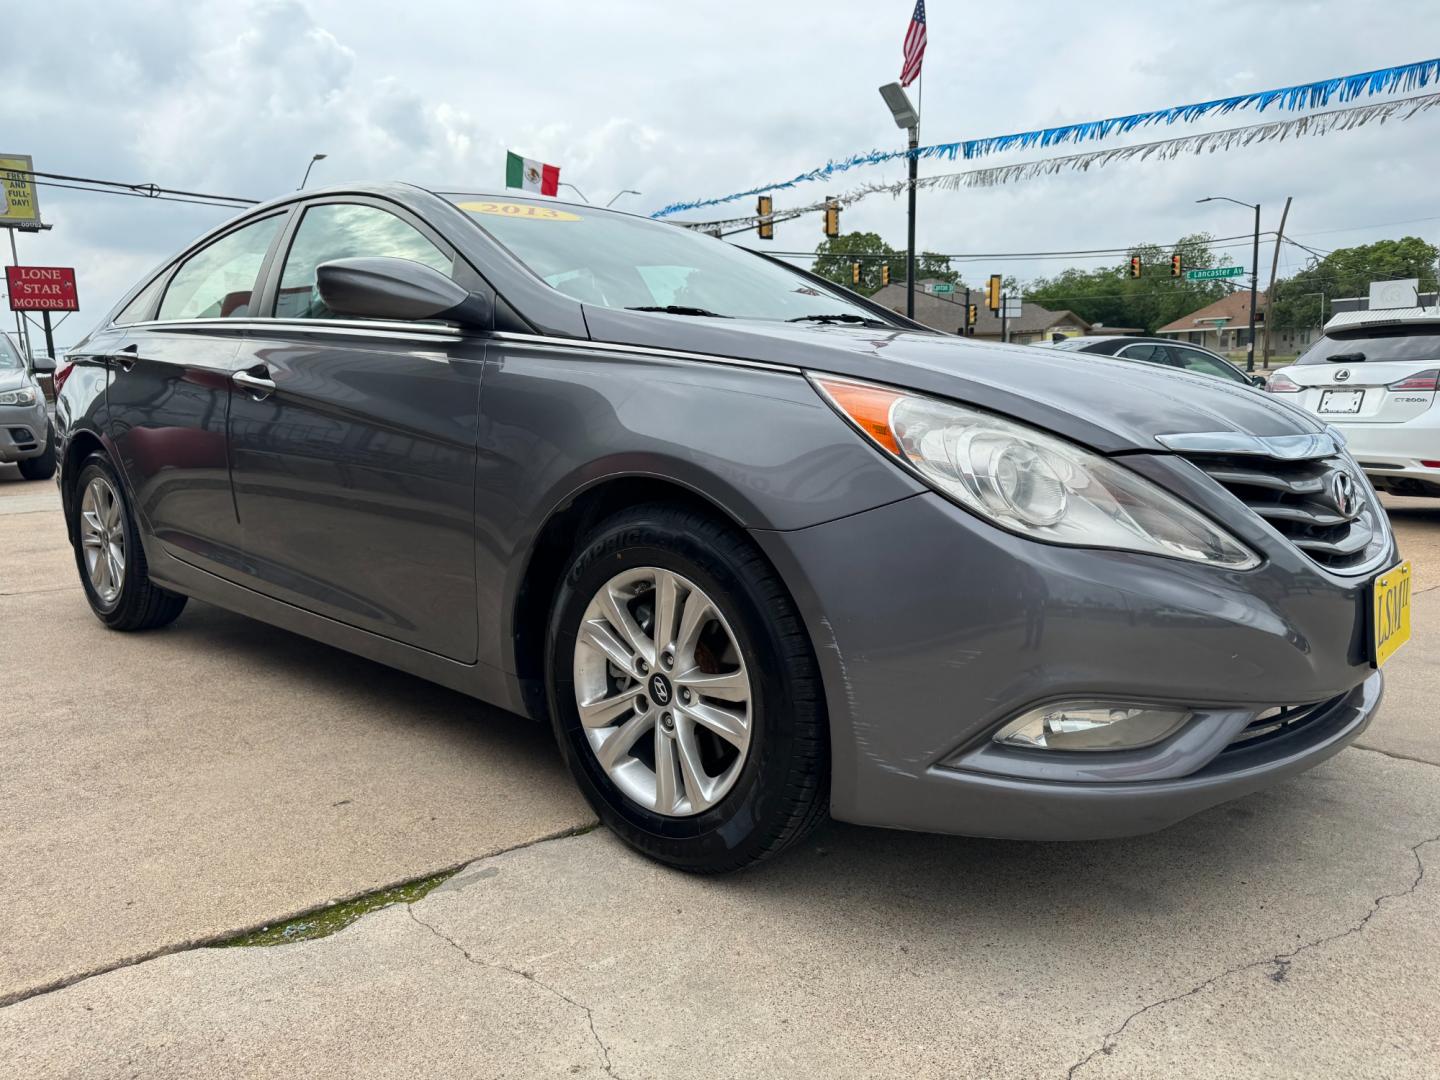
[[1280, 720], [1301, 501]]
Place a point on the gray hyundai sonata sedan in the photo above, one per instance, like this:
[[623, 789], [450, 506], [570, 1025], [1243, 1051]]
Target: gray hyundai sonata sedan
[[758, 549]]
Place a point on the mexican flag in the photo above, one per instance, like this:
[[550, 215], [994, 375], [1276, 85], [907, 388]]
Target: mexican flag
[[531, 175]]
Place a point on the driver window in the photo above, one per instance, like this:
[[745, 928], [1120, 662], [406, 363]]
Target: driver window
[[345, 231], [1150, 354]]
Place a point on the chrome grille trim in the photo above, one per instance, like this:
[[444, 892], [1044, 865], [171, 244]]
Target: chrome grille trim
[[1294, 497]]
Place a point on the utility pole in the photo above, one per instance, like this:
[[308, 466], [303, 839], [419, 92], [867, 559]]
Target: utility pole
[[1004, 319], [1270, 292]]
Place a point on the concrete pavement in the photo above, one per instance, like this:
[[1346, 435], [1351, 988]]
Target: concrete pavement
[[1293, 933], [180, 786]]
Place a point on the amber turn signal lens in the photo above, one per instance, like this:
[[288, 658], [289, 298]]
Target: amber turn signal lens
[[867, 406]]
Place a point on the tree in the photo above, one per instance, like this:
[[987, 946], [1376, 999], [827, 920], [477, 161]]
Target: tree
[[1112, 297], [837, 255], [1349, 272]]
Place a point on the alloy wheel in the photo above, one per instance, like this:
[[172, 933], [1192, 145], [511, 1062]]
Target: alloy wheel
[[102, 538], [663, 692]]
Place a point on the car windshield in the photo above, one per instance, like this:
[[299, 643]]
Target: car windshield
[[1376, 343], [9, 355], [619, 261]]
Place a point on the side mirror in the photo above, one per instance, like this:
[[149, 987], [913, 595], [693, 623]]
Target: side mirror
[[1259, 380], [43, 365], [379, 287]]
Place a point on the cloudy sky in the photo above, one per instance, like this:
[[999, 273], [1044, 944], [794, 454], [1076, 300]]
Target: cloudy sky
[[682, 100]]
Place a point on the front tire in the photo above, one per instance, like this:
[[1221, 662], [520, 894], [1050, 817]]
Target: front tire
[[109, 557], [684, 691]]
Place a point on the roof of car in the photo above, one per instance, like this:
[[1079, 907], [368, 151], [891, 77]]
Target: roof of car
[[1357, 320]]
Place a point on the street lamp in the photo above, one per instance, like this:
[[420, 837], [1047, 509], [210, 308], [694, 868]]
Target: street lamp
[[627, 191], [317, 157], [1254, 269], [906, 117]]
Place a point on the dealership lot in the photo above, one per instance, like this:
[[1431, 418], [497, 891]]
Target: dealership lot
[[169, 790]]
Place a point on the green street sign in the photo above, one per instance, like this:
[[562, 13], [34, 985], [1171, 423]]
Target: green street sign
[[1215, 274], [943, 288]]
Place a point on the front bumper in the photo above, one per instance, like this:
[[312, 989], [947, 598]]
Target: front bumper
[[24, 431], [933, 628]]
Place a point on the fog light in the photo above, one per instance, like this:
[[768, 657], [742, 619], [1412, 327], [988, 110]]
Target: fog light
[[1092, 725]]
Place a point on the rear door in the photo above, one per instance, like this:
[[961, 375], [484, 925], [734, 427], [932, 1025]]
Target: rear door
[[172, 352], [353, 443]]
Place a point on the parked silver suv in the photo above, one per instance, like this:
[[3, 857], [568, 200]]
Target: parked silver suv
[[26, 437]]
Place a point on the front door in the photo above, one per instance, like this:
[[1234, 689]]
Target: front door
[[352, 448]]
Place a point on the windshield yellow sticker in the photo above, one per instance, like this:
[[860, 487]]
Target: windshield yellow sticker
[[519, 210]]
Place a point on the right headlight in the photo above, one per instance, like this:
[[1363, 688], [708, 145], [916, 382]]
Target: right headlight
[[1028, 481], [23, 396]]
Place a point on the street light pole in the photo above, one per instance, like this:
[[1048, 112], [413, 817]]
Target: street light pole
[[1254, 269], [627, 191], [908, 118], [910, 237], [305, 179]]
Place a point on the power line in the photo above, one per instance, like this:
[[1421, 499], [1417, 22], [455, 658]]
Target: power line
[[1244, 240], [144, 191]]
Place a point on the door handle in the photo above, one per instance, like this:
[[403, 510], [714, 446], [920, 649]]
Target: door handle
[[125, 358], [260, 388]]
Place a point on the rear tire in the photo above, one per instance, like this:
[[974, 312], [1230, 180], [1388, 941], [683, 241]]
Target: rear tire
[[42, 467], [748, 672], [110, 558]]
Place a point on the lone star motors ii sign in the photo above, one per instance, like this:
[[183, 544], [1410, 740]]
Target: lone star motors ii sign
[[42, 288]]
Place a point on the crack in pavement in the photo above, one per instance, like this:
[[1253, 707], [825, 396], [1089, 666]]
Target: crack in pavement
[[1396, 756], [211, 940], [530, 977], [1280, 961]]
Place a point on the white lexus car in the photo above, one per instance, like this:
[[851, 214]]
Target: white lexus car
[[1374, 376]]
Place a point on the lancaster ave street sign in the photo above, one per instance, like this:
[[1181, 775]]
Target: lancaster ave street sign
[[1213, 274], [41, 288]]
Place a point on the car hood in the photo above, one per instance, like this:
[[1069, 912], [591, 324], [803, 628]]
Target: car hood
[[13, 378], [1113, 406]]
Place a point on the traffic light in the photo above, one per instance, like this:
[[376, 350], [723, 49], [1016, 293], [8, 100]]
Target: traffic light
[[884, 273], [832, 216], [992, 293], [765, 207], [972, 311], [1175, 265], [1134, 266], [855, 273]]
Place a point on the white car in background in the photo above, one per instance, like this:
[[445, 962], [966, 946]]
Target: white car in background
[[1374, 376]]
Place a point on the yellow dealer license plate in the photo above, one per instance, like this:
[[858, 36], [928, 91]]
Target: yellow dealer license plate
[[1392, 611]]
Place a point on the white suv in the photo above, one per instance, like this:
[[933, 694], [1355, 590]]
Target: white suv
[[1374, 377]]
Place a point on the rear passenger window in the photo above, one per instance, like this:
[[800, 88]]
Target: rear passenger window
[[216, 282], [345, 231], [139, 309]]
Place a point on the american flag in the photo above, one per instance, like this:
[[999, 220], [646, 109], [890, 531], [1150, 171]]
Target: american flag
[[914, 46]]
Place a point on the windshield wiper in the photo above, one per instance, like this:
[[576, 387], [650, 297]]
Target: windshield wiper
[[680, 309], [838, 317]]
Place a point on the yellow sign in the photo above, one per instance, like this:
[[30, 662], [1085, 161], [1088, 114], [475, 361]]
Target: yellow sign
[[519, 210], [1392, 612], [18, 204]]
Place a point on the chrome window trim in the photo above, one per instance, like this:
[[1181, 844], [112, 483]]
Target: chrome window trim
[[1281, 447], [430, 332]]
